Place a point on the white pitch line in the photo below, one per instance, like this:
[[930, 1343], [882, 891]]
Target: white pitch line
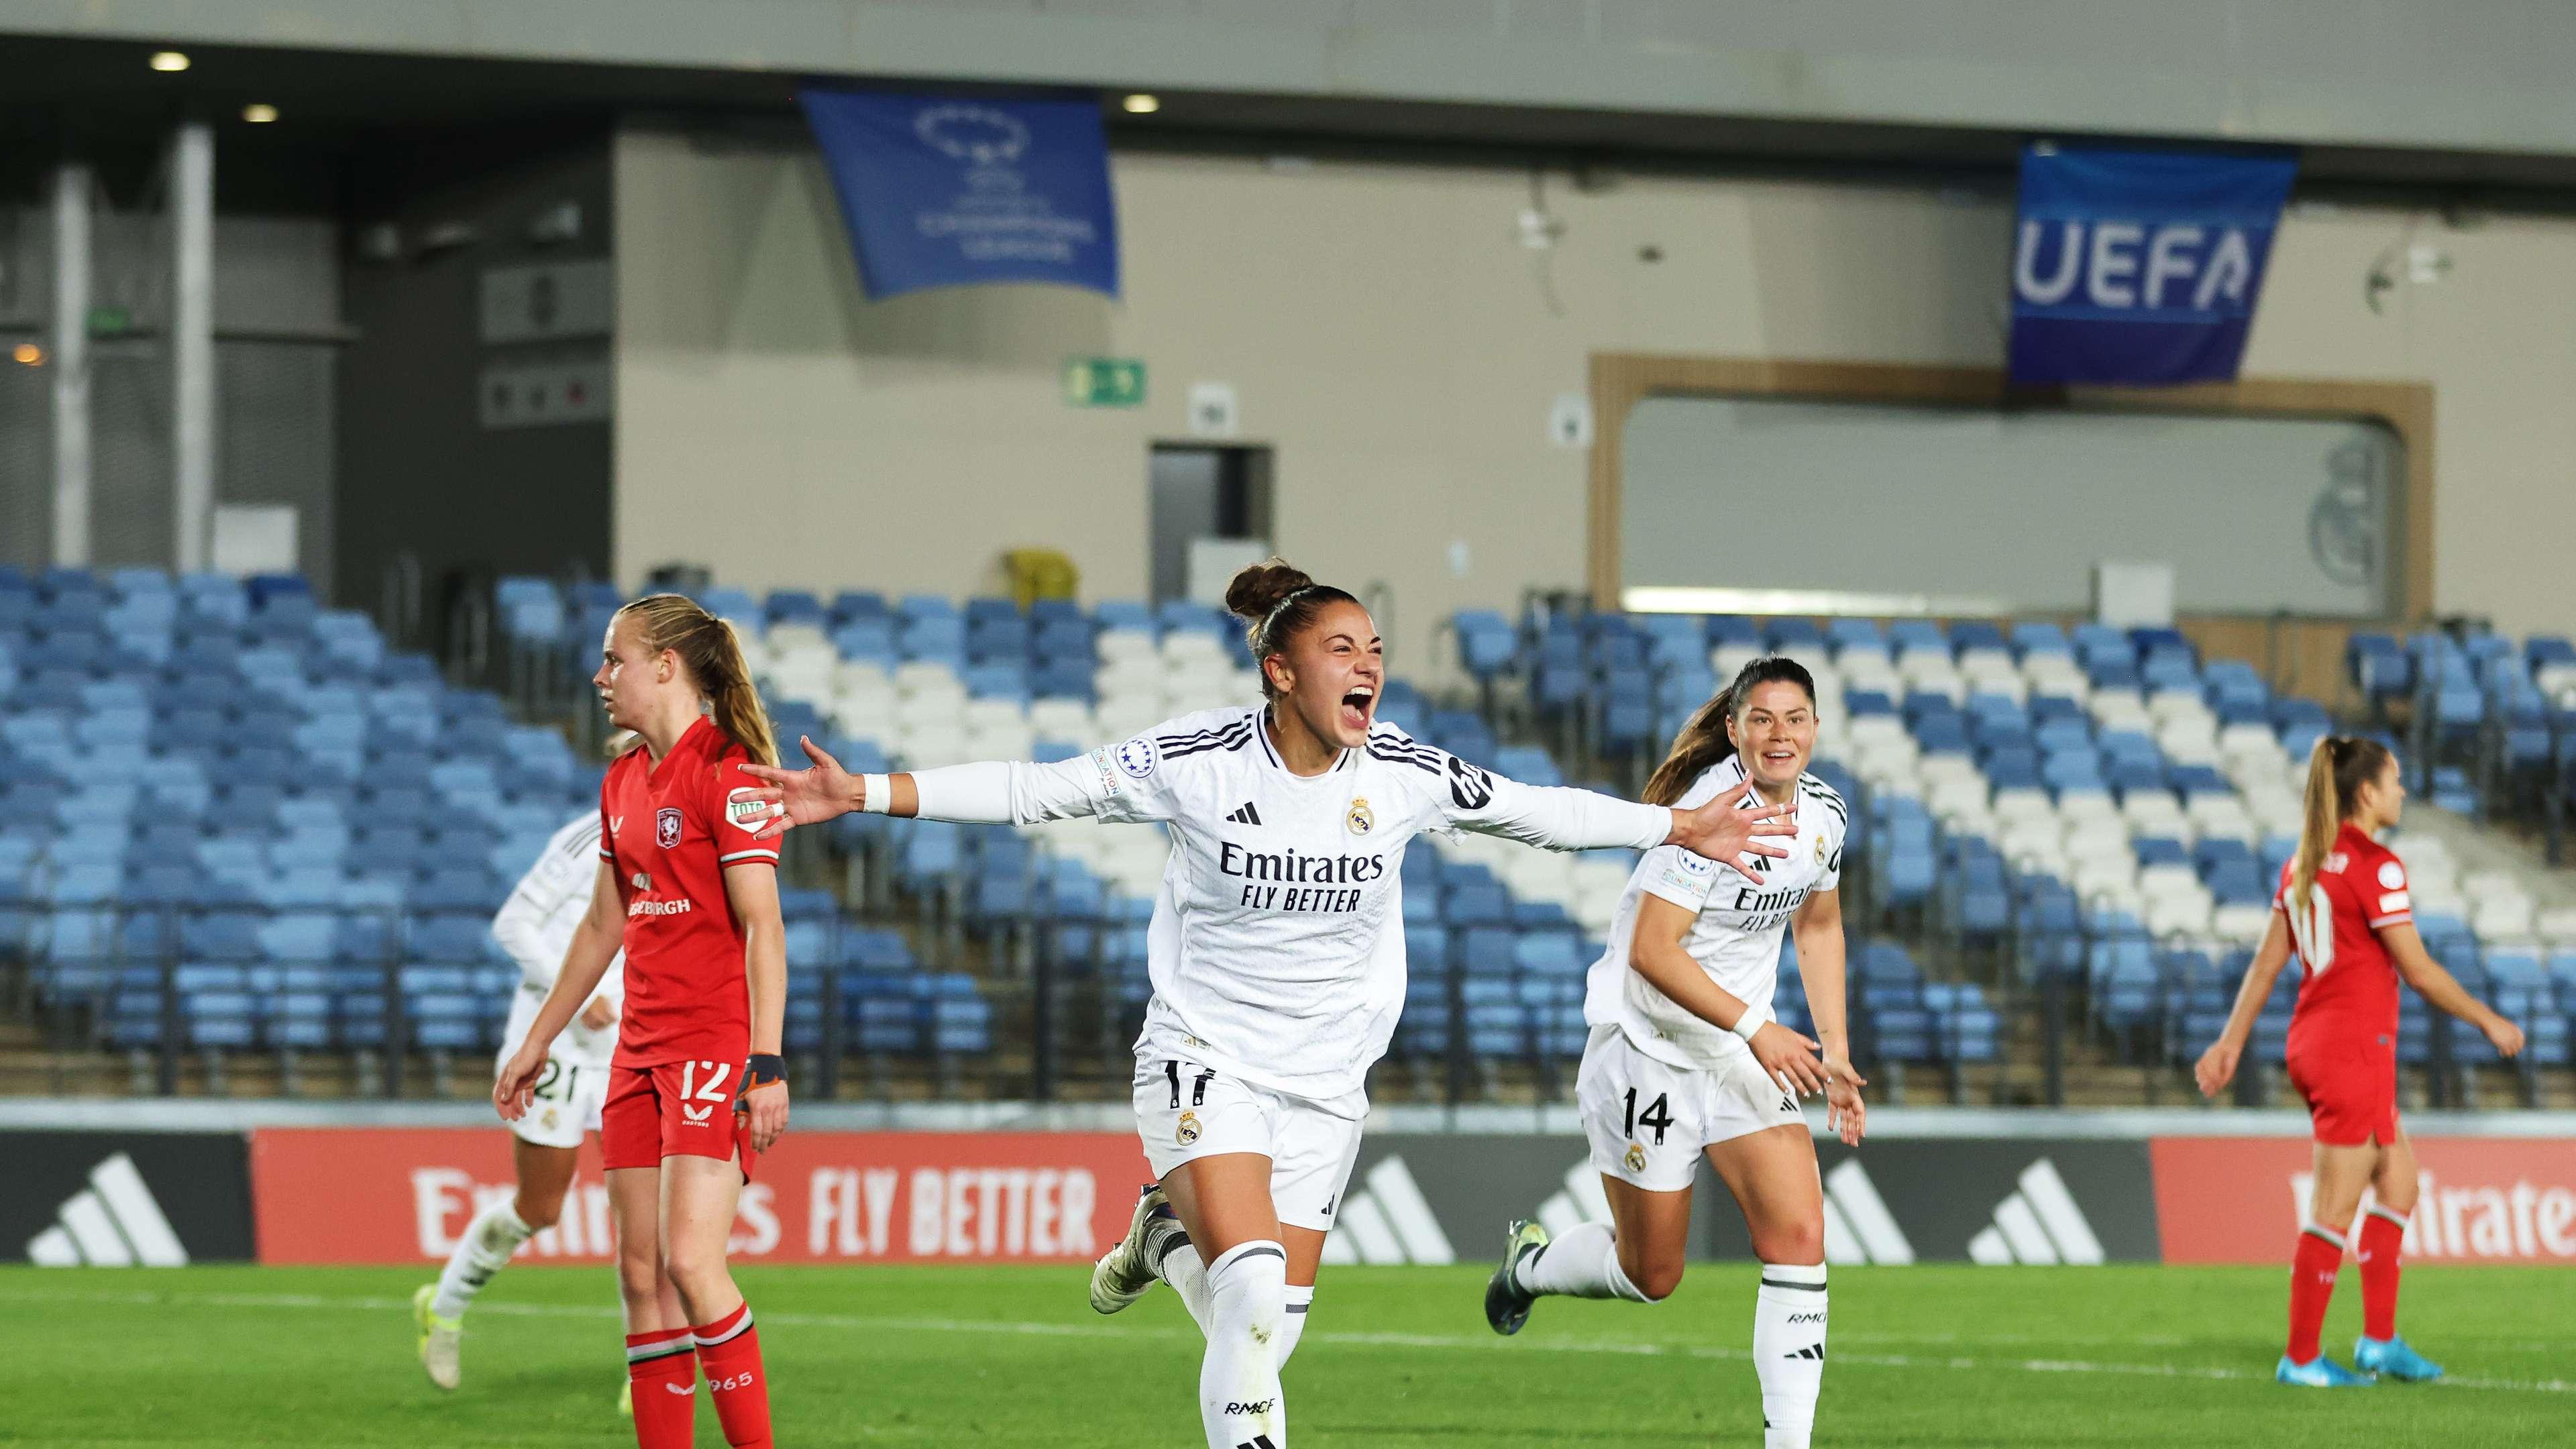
[[1352, 1338]]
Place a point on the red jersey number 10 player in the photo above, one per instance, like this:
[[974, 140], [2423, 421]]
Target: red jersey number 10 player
[[2344, 908], [697, 1089]]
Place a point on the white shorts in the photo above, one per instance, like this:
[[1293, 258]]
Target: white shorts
[[571, 1090], [1649, 1120], [1185, 1111]]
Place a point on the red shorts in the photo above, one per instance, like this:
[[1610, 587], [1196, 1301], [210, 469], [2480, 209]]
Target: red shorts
[[674, 1109], [2351, 1087]]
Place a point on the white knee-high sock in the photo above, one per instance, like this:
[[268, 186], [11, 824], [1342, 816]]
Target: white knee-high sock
[[1581, 1263], [1239, 1403], [488, 1242], [1188, 1276], [1789, 1351], [1292, 1327]]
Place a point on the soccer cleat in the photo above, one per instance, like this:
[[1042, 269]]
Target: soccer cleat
[[1507, 1303], [1124, 1272], [2320, 1372], [438, 1338], [2393, 1358]]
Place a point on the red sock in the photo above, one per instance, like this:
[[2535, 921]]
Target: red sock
[[2312, 1283], [729, 1352], [664, 1378], [2382, 1234]]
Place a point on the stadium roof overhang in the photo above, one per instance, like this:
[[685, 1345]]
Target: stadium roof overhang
[[100, 96]]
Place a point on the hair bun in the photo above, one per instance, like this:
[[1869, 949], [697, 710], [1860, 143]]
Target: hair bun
[[1256, 589]]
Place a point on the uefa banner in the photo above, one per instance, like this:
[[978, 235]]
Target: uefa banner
[[954, 191], [402, 1195], [2140, 267], [2479, 1199]]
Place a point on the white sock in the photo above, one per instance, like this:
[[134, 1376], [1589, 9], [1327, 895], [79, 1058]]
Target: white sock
[[1582, 1262], [1789, 1351], [1292, 1326], [1189, 1278], [488, 1242], [1239, 1403]]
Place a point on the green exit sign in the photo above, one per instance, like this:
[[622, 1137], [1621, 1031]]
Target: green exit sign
[[1104, 382]]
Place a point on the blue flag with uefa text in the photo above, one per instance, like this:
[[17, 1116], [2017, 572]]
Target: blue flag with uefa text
[[2138, 266], [944, 191]]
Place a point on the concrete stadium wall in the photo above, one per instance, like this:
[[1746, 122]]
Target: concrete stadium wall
[[1397, 346]]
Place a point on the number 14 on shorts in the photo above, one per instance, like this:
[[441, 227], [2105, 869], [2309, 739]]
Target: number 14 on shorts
[[703, 1082]]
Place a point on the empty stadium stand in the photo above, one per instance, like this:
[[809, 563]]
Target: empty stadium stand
[[246, 845]]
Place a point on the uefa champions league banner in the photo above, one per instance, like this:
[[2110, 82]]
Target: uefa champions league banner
[[946, 192], [2139, 267]]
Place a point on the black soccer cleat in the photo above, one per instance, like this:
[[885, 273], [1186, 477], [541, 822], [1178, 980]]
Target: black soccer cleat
[[1507, 1303]]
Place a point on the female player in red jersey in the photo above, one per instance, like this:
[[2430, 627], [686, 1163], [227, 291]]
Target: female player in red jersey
[[697, 1088], [2343, 907]]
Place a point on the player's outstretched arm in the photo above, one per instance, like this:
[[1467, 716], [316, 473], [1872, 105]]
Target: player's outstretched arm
[[993, 793], [2443, 990], [2217, 1066], [1818, 929], [594, 945], [1559, 818]]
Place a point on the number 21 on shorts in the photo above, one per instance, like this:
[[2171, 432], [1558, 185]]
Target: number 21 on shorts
[[691, 1094]]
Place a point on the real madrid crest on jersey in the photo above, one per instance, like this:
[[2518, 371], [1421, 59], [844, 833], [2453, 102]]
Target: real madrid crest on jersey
[[1188, 1130], [1361, 819], [1636, 1158]]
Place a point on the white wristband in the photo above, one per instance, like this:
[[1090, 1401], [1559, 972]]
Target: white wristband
[[1749, 1023], [876, 794]]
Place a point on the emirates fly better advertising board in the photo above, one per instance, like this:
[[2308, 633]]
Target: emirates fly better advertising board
[[401, 1195]]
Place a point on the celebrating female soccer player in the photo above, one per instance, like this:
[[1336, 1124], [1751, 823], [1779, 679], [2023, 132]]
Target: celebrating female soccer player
[[1685, 1059], [697, 1088], [1276, 951], [2342, 905], [535, 926]]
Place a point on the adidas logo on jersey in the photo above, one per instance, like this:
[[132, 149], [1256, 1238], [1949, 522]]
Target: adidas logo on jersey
[[2038, 1223], [1387, 1222], [1244, 814], [112, 1223]]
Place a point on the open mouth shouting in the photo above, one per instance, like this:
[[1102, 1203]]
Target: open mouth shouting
[[1358, 707]]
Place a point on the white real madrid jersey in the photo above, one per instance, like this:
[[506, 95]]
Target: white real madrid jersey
[[537, 922], [1277, 944], [1735, 936]]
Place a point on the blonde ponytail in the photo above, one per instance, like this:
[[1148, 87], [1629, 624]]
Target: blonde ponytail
[[712, 653], [735, 700], [2338, 767]]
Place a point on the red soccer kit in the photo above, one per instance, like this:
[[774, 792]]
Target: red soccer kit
[[670, 830], [2343, 1033]]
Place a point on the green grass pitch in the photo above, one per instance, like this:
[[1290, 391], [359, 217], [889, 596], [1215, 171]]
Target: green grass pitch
[[1393, 1357]]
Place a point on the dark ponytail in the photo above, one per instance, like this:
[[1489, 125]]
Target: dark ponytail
[[1276, 600], [1703, 741]]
